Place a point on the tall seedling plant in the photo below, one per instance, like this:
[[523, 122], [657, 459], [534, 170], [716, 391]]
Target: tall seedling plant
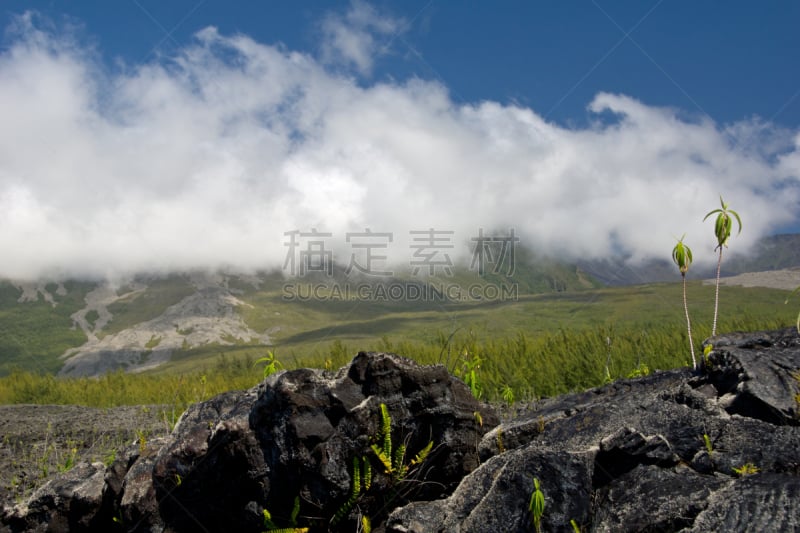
[[682, 256], [722, 229]]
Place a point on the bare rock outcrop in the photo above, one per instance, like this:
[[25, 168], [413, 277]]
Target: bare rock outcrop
[[295, 438], [717, 450], [712, 450]]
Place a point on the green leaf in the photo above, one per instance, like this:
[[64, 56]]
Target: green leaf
[[536, 504], [707, 441], [738, 219], [383, 458], [366, 473], [295, 511], [386, 430], [682, 256], [724, 223], [711, 213], [268, 523], [423, 454]]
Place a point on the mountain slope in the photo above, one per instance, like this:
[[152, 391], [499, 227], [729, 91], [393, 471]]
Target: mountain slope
[[184, 320], [207, 316]]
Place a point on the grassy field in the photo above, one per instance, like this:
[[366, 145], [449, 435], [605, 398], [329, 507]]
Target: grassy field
[[532, 346]]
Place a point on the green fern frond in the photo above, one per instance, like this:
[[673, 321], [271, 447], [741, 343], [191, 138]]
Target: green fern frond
[[399, 470], [385, 461], [366, 474], [747, 469], [355, 492], [423, 454], [399, 473], [355, 489], [270, 526], [399, 457], [295, 511], [268, 523], [386, 430], [366, 524], [343, 510]]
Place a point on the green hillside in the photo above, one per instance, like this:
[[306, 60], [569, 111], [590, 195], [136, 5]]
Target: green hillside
[[34, 334], [520, 348], [319, 321]]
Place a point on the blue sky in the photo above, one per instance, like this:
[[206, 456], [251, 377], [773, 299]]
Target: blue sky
[[729, 61], [134, 127]]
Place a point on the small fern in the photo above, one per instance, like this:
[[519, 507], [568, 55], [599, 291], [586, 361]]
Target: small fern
[[706, 352], [386, 430], [355, 492], [289, 530], [268, 523], [385, 461], [422, 455], [366, 524], [295, 511], [366, 474], [394, 464], [746, 469], [271, 527], [399, 469], [384, 452], [391, 457]]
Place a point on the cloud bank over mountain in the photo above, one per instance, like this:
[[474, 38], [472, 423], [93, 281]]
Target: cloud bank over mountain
[[207, 158]]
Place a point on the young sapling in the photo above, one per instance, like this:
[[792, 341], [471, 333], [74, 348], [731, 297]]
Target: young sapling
[[722, 229], [682, 256]]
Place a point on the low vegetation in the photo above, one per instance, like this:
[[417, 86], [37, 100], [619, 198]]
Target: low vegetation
[[510, 368], [173, 391]]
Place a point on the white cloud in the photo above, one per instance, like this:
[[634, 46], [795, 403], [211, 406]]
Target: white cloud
[[204, 160], [353, 40]]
